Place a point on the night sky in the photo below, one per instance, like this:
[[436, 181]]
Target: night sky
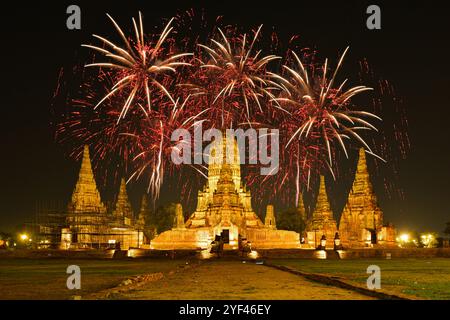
[[411, 51]]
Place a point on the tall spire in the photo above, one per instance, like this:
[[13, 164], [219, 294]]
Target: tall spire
[[225, 183], [179, 217], [86, 197], [362, 179], [224, 151], [322, 221], [322, 204], [144, 212], [269, 220], [123, 207], [301, 208], [361, 211]]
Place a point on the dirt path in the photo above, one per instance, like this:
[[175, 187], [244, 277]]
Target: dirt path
[[236, 280]]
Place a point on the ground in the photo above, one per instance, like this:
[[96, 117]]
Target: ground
[[235, 280], [220, 279], [420, 278], [46, 278]]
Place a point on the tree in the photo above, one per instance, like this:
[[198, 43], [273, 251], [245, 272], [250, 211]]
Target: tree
[[290, 219], [447, 229], [163, 217]]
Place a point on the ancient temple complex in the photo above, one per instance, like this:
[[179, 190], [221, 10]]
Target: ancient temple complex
[[89, 224], [224, 208]]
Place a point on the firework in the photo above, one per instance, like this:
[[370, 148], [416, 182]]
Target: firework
[[233, 75], [150, 88], [321, 115], [140, 68]]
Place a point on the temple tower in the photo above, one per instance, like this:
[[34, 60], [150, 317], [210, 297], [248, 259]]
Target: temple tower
[[224, 151], [269, 220], [223, 198], [224, 208], [85, 196], [144, 212], [179, 217], [301, 208], [321, 221], [361, 218], [123, 211], [86, 213]]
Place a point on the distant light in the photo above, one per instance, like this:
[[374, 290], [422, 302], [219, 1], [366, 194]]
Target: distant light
[[427, 239], [23, 237], [253, 254], [404, 237], [320, 254], [205, 254]]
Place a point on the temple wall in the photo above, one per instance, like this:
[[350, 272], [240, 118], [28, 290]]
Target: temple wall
[[182, 239], [272, 239]]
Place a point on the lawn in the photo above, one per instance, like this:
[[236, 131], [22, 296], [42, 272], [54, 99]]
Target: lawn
[[420, 278], [46, 278]]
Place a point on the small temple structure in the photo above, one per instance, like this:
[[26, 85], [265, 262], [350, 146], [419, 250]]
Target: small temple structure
[[224, 208], [88, 222], [321, 221]]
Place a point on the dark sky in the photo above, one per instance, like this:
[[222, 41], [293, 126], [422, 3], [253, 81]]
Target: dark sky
[[411, 51]]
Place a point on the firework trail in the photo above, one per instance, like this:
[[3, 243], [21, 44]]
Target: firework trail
[[321, 116], [140, 68], [151, 86], [230, 79]]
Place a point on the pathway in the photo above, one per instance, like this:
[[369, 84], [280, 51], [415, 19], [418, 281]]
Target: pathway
[[219, 279]]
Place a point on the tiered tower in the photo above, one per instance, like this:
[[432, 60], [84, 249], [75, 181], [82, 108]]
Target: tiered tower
[[179, 217], [322, 221], [123, 212], [269, 220], [224, 208], [362, 218], [301, 208], [85, 196], [144, 213], [224, 199], [86, 213]]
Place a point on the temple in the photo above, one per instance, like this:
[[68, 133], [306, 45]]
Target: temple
[[361, 222], [362, 219], [224, 208], [88, 222], [321, 221]]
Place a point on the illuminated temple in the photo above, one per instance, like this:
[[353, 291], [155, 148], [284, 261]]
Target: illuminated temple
[[224, 208], [361, 222], [89, 224]]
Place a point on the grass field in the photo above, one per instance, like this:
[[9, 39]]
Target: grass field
[[421, 278], [46, 278]]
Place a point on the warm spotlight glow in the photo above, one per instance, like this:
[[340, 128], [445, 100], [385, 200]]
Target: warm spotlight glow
[[404, 238], [427, 239], [253, 254], [205, 254], [23, 237], [320, 254]]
